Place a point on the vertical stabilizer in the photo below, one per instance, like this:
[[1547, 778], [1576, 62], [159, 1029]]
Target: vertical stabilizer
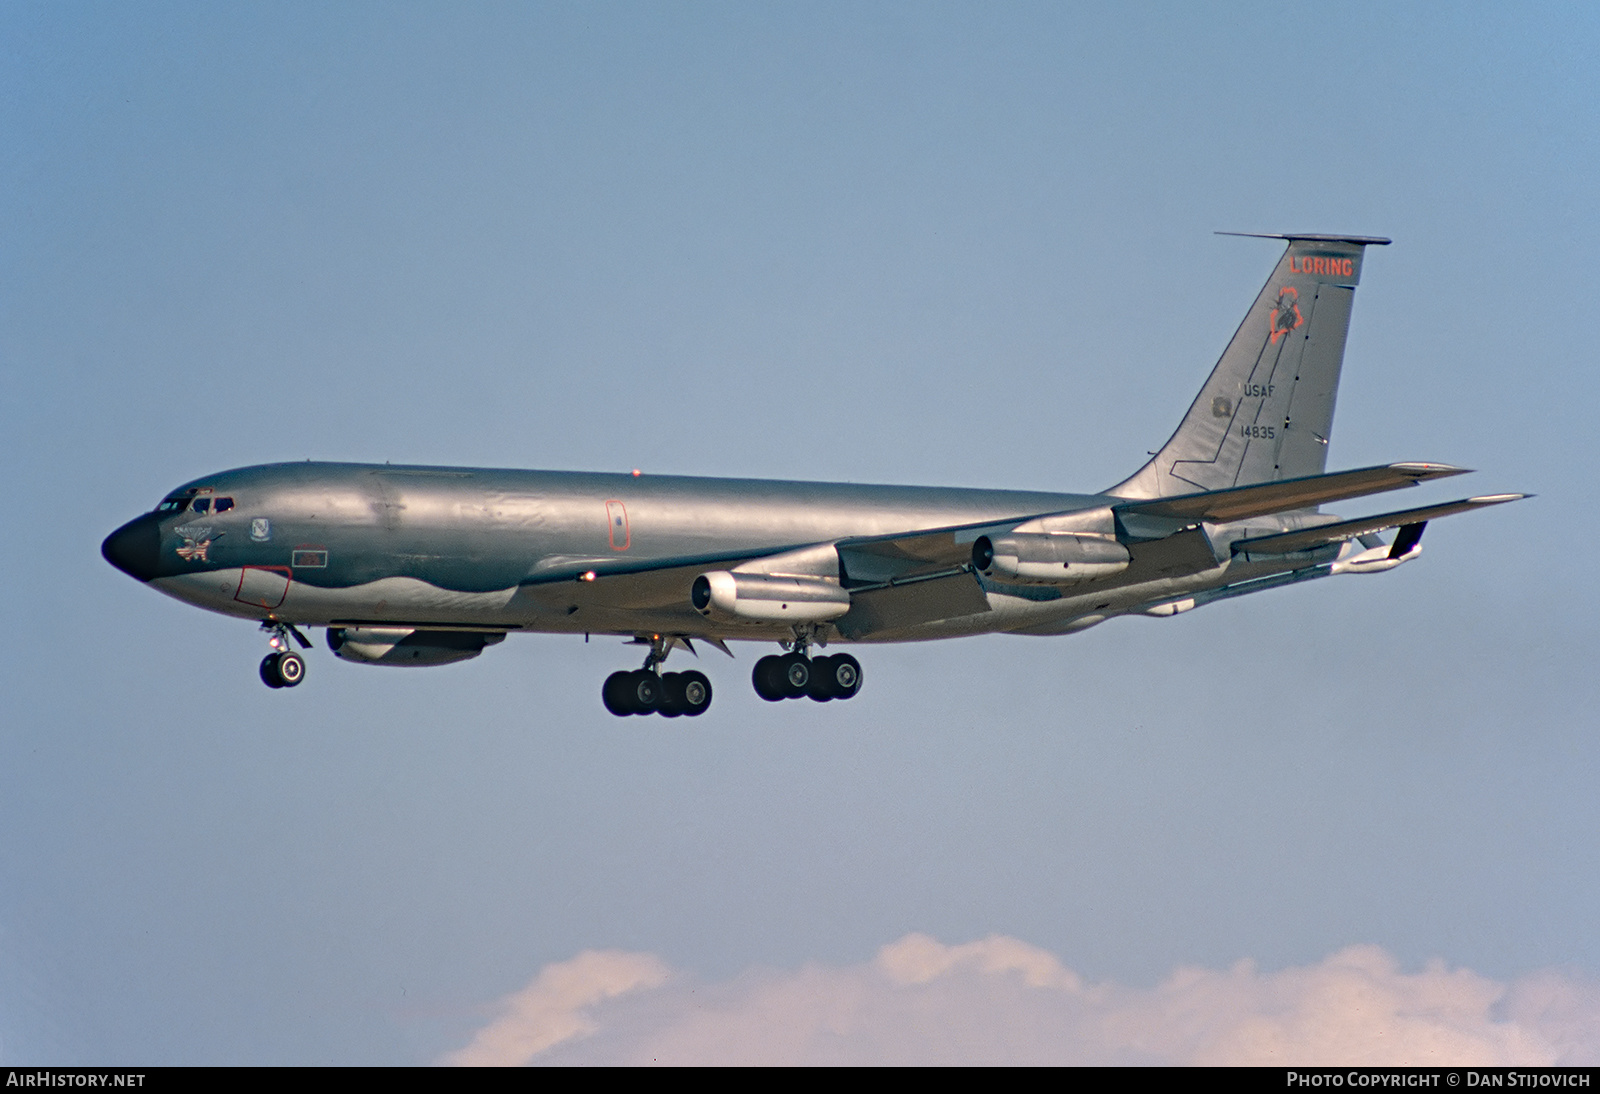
[[1266, 412]]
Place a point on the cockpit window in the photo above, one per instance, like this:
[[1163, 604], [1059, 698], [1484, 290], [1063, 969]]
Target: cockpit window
[[223, 505], [173, 505], [202, 505]]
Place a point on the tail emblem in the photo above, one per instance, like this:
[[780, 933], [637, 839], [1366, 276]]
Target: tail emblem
[[1285, 315]]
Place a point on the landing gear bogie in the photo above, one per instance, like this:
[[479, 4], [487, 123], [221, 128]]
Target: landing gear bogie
[[790, 675], [671, 694], [793, 675]]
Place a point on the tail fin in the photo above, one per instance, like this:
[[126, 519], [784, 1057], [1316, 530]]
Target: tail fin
[[1267, 411]]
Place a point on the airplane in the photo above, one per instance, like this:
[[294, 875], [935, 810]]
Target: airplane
[[413, 565]]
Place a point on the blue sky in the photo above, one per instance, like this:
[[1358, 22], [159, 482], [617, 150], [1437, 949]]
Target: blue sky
[[897, 243]]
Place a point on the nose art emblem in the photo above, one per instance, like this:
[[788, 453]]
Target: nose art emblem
[[260, 529], [194, 550], [196, 542]]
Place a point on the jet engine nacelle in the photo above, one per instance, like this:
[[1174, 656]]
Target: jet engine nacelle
[[1059, 558], [767, 598], [406, 646]]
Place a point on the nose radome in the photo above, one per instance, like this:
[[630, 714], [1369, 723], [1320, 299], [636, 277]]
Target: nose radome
[[135, 548]]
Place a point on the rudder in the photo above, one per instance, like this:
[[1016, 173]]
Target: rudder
[[1266, 412]]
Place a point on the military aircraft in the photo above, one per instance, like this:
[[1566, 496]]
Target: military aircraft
[[429, 565]]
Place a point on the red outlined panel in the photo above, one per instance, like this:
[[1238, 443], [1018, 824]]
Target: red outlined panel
[[617, 525], [263, 586], [308, 556]]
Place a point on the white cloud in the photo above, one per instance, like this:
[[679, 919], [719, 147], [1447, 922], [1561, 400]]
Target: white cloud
[[554, 1008], [1000, 1000]]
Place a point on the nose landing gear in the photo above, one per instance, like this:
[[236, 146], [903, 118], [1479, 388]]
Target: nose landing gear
[[283, 668]]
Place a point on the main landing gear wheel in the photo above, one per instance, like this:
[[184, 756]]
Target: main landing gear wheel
[[839, 676], [685, 693], [283, 670], [794, 674], [637, 692], [768, 679]]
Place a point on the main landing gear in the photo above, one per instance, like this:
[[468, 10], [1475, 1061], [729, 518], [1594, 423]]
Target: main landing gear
[[793, 674], [283, 668], [651, 691], [672, 694]]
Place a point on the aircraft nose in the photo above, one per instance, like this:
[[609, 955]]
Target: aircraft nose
[[135, 548]]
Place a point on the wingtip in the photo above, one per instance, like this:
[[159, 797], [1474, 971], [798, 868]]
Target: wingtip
[[1429, 470]]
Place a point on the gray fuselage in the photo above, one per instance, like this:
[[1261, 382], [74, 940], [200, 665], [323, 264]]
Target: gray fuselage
[[353, 544]]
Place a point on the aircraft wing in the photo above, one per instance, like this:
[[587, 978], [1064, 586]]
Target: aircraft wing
[[915, 556], [896, 581], [900, 580], [1288, 542], [938, 552], [1264, 499]]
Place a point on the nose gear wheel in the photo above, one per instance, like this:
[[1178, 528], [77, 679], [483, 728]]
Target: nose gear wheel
[[283, 668]]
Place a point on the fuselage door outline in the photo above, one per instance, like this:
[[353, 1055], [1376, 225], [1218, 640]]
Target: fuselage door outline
[[617, 525], [263, 586]]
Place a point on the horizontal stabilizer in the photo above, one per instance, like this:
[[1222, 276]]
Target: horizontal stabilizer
[[1315, 237], [1288, 542], [1264, 499]]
